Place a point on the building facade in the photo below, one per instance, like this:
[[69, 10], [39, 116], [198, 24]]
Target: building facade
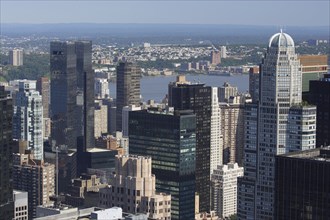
[[20, 205], [216, 136], [313, 68], [319, 95], [101, 88], [215, 57], [34, 177], [16, 57], [6, 157], [133, 188], [254, 83], [232, 129], [226, 91], [301, 185], [101, 119], [72, 94], [170, 139], [280, 93], [43, 86], [197, 97], [128, 89], [224, 189], [28, 118]]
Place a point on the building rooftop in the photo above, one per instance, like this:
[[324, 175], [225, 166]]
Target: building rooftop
[[320, 154], [281, 40]]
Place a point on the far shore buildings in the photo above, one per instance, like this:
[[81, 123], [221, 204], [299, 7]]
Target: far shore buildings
[[133, 188]]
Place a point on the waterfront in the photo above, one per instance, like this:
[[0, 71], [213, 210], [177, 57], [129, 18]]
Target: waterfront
[[156, 87]]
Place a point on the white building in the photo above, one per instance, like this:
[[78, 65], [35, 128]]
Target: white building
[[101, 88], [224, 189], [16, 57], [216, 137], [279, 109], [223, 52], [28, 117], [226, 91], [125, 117], [20, 205]]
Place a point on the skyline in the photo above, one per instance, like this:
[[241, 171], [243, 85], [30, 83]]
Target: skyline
[[311, 13]]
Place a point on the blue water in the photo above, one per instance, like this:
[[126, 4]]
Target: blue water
[[156, 87]]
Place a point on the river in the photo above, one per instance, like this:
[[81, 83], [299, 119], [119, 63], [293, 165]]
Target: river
[[155, 87]]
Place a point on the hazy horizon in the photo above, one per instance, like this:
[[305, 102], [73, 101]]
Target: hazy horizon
[[274, 13]]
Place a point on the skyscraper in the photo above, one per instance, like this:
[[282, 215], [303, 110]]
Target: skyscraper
[[216, 136], [63, 95], [72, 94], [302, 187], [232, 129], [6, 157], [85, 85], [28, 118], [35, 177], [43, 86], [128, 88], [254, 83], [279, 97], [197, 97], [224, 189], [16, 57], [170, 139], [319, 95]]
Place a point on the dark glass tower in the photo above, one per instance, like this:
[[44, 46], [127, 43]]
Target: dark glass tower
[[72, 94], [170, 140], [128, 88], [302, 188], [6, 156], [63, 73], [197, 97], [319, 95]]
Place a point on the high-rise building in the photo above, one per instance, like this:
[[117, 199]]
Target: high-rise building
[[170, 139], [197, 97], [128, 88], [43, 86], [63, 95], [254, 83], [101, 119], [223, 52], [28, 118], [224, 189], [302, 187], [216, 136], [35, 177], [101, 88], [232, 129], [6, 158], [319, 95], [133, 189], [312, 68], [16, 57], [280, 96], [72, 94], [226, 91], [215, 57], [85, 86], [20, 205], [125, 117]]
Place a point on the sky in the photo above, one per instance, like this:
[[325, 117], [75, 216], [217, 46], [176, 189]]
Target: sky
[[275, 13]]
